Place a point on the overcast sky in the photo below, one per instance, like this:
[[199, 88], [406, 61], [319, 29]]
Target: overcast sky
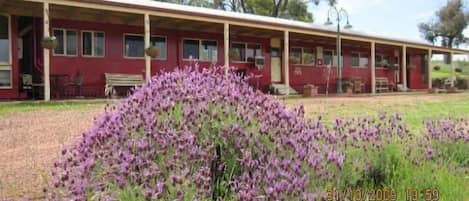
[[393, 18]]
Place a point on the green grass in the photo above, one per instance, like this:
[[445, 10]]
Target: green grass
[[445, 69], [8, 108], [414, 109]]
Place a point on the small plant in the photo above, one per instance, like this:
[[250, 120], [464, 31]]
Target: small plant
[[152, 51], [49, 42], [458, 70], [436, 68]]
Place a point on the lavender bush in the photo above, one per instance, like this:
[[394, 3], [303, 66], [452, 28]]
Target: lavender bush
[[196, 134]]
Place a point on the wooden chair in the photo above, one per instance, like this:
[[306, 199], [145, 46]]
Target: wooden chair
[[357, 85], [382, 84]]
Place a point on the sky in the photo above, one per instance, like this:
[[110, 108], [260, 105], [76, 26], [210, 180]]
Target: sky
[[392, 18]]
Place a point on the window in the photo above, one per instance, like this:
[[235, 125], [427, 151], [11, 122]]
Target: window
[[93, 43], [66, 42], [204, 50], [5, 61], [359, 60], [245, 52], [252, 51], [295, 55], [328, 56], [238, 52], [308, 56], [134, 46]]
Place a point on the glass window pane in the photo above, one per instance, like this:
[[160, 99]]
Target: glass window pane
[[71, 42], [5, 78], [209, 51], [295, 55], [98, 44], [308, 56], [363, 61], [327, 57], [134, 46], [59, 36], [238, 52], [87, 47], [252, 51], [355, 59], [159, 42], [191, 49], [4, 40]]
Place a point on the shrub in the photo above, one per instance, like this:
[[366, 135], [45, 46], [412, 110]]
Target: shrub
[[436, 68], [458, 70], [196, 134], [462, 83]]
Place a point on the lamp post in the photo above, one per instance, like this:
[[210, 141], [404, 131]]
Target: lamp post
[[339, 14]]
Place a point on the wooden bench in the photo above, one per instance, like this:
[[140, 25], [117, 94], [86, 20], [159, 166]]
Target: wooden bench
[[382, 84], [121, 80]]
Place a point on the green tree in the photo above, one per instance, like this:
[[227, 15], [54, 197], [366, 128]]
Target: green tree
[[288, 9], [448, 26]]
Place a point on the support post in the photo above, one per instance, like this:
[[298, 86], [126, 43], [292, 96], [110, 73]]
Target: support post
[[373, 68], [146, 22], [226, 45], [429, 69], [46, 53], [453, 72], [286, 51], [404, 67]]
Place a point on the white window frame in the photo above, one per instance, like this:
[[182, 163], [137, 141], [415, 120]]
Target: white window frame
[[245, 50], [302, 62], [200, 49], [134, 34], [64, 35], [8, 66], [93, 54], [359, 57]]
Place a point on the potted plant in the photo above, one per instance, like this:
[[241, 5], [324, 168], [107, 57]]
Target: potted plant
[[152, 51], [49, 42], [347, 86], [310, 90]]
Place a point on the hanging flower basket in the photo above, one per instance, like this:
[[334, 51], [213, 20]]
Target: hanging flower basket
[[152, 51], [49, 42]]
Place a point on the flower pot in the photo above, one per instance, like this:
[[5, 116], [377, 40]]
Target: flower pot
[[433, 90], [349, 90], [152, 51], [49, 43], [310, 90]]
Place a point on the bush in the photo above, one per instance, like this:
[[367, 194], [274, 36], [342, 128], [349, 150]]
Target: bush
[[438, 83], [436, 68], [199, 135], [458, 70], [462, 83], [196, 134]]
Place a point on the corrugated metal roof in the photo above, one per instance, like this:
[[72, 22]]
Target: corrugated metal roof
[[257, 18]]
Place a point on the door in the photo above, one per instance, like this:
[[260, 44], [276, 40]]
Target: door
[[275, 66], [5, 53]]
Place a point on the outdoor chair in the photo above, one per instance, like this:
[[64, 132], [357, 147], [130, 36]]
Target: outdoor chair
[[76, 84]]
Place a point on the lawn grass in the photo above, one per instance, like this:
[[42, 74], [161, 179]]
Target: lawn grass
[[445, 69], [414, 109], [12, 107]]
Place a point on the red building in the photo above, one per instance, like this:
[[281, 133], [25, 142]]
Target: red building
[[98, 37]]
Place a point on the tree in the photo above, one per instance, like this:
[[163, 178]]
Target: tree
[[288, 9], [448, 27]]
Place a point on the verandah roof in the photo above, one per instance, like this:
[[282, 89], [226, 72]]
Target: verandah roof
[[213, 15]]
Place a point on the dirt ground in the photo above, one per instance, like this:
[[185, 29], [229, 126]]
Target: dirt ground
[[30, 140]]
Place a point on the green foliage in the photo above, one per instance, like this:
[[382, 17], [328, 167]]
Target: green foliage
[[288, 9], [448, 27], [436, 68]]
